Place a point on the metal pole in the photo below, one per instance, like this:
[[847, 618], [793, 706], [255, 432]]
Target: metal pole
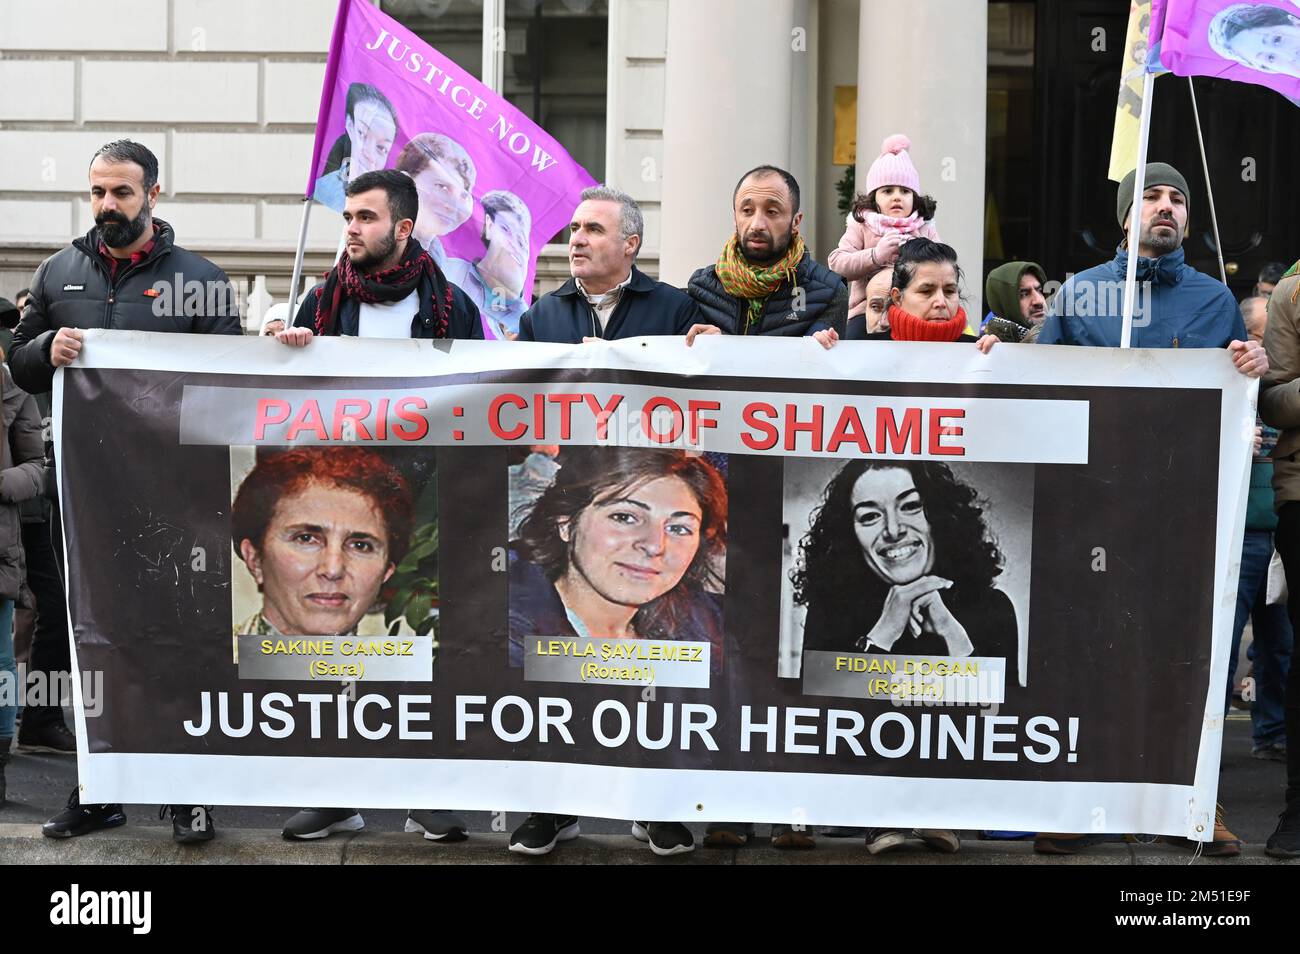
[[1209, 191], [297, 260], [1135, 213]]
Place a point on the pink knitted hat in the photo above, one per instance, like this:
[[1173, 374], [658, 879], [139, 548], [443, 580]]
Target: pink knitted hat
[[893, 166]]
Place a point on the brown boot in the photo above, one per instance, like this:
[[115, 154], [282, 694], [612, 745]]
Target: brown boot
[[1064, 843], [1224, 844]]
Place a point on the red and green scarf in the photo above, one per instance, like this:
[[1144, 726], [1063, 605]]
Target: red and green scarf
[[754, 283]]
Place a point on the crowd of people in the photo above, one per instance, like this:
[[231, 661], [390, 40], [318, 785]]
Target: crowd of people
[[889, 278]]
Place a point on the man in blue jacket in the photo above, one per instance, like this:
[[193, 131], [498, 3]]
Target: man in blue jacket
[[1176, 306], [608, 296]]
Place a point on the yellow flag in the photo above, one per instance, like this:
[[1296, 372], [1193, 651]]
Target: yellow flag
[[1128, 111]]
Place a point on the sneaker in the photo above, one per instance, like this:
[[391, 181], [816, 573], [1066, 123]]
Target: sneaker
[[437, 825], [52, 737], [880, 840], [79, 819], [841, 831], [728, 834], [1269, 752], [540, 833], [940, 839], [665, 838], [190, 823], [1063, 843], [1285, 840], [313, 823], [790, 837]]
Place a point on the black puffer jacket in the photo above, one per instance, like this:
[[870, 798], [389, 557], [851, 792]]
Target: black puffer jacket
[[825, 303], [72, 289]]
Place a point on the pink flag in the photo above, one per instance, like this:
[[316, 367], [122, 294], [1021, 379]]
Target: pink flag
[[1256, 42], [494, 186]]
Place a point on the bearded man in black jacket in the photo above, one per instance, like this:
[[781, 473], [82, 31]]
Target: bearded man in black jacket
[[126, 273]]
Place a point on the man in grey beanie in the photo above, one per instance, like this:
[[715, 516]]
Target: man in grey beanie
[[1175, 305]]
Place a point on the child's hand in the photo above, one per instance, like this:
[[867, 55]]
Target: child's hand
[[887, 248]]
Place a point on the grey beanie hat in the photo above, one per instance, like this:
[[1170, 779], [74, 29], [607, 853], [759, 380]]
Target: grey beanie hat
[[1158, 173]]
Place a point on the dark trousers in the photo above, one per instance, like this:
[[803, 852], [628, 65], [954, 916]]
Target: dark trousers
[[50, 653], [1288, 546]]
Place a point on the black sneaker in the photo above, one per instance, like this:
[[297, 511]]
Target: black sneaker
[[842, 831], [52, 737], [79, 819], [1269, 752], [880, 840], [664, 838], [437, 825], [190, 823], [1285, 840], [540, 833], [313, 823]]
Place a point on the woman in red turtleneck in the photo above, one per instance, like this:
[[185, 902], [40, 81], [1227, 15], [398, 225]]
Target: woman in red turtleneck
[[925, 303]]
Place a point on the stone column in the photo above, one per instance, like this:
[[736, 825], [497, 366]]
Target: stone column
[[936, 94], [727, 108]]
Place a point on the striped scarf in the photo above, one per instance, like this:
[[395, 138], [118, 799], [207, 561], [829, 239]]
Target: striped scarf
[[754, 283]]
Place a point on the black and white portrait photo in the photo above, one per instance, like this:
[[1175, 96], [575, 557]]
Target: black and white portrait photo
[[906, 558]]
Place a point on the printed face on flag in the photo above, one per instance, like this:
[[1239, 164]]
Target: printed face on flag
[[1256, 42], [371, 131], [445, 202], [1269, 48]]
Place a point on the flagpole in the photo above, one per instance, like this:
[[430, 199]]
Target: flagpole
[[1209, 191], [1135, 214], [298, 257]]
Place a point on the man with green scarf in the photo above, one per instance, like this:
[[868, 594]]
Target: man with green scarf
[[765, 282]]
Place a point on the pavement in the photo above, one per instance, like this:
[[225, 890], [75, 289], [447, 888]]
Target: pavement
[[1250, 790]]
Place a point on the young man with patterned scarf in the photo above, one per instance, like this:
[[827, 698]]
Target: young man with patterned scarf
[[765, 282], [385, 285]]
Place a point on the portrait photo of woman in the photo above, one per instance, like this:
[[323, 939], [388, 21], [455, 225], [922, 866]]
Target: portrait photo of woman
[[319, 530], [899, 557], [624, 543]]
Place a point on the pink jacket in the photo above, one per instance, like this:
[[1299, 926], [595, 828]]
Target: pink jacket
[[852, 259]]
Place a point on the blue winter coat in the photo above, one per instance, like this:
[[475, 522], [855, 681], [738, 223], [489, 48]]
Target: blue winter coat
[[1180, 308]]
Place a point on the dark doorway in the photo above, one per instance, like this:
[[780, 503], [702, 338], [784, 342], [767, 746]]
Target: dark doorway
[[1249, 134]]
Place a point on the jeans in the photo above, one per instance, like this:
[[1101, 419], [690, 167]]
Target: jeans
[[1271, 651], [50, 653], [8, 671], [1288, 545]]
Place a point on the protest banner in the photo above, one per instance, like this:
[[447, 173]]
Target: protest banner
[[494, 186], [891, 584]]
